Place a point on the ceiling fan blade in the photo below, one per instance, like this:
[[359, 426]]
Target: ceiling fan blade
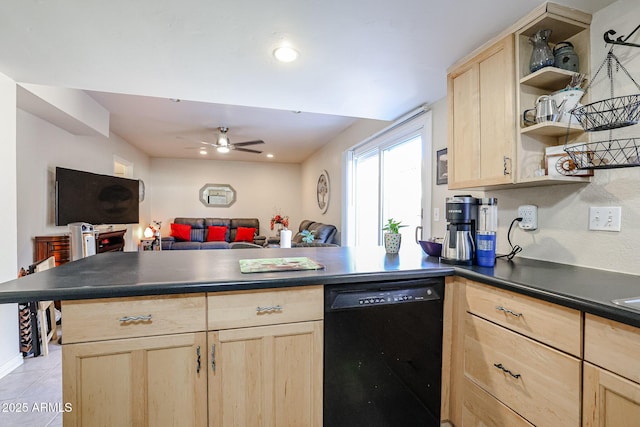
[[247, 150], [242, 144]]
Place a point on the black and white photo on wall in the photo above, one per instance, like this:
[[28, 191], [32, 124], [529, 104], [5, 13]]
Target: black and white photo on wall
[[442, 173]]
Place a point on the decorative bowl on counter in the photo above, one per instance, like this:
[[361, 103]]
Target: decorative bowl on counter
[[432, 246]]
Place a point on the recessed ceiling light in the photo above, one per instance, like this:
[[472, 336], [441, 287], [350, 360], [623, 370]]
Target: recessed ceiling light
[[203, 152], [285, 54], [270, 156]]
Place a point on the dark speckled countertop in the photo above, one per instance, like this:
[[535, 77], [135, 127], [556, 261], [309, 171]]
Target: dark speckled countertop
[[118, 274]]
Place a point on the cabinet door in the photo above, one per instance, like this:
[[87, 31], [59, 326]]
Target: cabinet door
[[481, 96], [266, 376], [609, 400], [151, 381]]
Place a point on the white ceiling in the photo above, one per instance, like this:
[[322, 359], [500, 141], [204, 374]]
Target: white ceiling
[[373, 59]]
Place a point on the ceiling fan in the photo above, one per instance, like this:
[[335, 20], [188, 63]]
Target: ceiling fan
[[224, 145]]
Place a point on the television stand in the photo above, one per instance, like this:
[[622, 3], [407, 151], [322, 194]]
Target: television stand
[[110, 241]]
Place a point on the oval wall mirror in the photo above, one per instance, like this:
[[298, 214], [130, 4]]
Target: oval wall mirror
[[217, 195]]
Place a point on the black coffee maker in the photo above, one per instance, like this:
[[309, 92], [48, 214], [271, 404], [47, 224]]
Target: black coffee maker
[[458, 246]]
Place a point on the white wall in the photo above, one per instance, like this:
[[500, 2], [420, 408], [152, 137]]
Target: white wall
[[439, 192], [563, 209], [43, 146], [10, 356], [262, 190], [329, 158]]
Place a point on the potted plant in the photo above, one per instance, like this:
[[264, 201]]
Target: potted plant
[[392, 237]]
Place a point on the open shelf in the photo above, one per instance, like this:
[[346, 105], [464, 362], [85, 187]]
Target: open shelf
[[552, 129], [550, 78], [553, 180]]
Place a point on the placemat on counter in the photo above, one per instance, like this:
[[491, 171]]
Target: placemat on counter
[[261, 265]]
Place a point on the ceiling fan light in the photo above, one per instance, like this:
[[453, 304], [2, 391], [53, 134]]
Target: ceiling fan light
[[223, 149], [285, 54], [223, 140]]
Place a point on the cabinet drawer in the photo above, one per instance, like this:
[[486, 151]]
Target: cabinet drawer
[[540, 383], [552, 324], [111, 318], [239, 309], [482, 409], [612, 345]]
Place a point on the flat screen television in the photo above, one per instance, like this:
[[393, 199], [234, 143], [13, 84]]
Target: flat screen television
[[95, 199]]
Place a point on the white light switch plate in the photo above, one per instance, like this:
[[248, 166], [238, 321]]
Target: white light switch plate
[[605, 218], [529, 215]]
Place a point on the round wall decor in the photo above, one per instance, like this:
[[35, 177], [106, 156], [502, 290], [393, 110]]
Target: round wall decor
[[323, 191], [141, 190]]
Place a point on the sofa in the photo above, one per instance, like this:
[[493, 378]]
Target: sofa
[[323, 235], [194, 234]]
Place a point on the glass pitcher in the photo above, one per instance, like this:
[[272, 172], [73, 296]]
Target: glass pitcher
[[541, 56]]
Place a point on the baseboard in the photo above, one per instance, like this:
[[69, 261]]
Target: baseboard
[[11, 364]]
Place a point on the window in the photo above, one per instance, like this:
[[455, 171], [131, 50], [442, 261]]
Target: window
[[385, 176]]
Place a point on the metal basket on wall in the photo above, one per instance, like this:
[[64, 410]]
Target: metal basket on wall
[[607, 115]]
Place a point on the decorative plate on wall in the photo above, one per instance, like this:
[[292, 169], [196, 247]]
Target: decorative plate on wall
[[323, 191], [141, 190]]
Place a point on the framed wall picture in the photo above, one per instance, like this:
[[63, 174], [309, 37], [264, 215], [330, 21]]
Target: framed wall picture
[[323, 191], [442, 173]]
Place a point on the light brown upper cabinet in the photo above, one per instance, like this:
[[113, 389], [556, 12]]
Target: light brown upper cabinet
[[481, 99], [487, 93]]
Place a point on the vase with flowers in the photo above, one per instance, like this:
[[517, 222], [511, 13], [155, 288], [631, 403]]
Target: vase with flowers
[[279, 222]]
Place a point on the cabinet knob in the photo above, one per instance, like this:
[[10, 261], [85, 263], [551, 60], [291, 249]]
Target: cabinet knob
[[506, 170], [135, 318], [273, 308], [506, 310], [503, 369]]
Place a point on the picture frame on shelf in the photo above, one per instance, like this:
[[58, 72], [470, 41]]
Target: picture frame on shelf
[[442, 173]]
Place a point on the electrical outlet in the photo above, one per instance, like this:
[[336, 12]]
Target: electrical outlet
[[529, 215], [605, 218]]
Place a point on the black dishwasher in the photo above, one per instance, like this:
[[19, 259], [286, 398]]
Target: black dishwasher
[[383, 353]]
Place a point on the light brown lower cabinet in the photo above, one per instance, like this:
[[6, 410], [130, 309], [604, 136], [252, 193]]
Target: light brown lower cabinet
[[244, 358], [539, 383], [149, 381], [609, 399], [508, 365], [266, 376], [611, 396], [481, 409]]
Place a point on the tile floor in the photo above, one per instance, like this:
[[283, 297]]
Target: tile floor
[[36, 386]]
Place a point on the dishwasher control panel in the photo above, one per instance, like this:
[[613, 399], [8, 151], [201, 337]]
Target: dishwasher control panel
[[364, 298]]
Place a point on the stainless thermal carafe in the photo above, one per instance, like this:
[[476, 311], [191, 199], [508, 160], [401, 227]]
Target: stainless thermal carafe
[[458, 246]]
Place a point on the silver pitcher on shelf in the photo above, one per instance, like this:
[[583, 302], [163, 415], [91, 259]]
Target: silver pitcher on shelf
[[546, 110]]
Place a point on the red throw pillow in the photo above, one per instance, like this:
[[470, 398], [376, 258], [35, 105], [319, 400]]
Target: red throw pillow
[[216, 233], [245, 234], [181, 231]]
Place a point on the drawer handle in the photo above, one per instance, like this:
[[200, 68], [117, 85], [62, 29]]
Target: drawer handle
[[506, 310], [213, 357], [198, 362], [503, 369], [135, 318], [271, 309]]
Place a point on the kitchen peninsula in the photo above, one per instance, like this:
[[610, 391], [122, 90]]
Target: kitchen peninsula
[[193, 312]]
